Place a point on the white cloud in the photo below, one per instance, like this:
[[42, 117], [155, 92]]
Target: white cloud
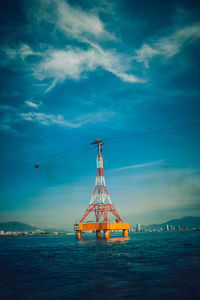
[[12, 116], [145, 53], [21, 51], [170, 45], [51, 119], [25, 50], [75, 22], [47, 119], [14, 58], [127, 77], [71, 63], [145, 165], [32, 104], [72, 20]]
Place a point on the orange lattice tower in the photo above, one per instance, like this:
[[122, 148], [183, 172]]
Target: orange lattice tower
[[101, 205], [100, 202]]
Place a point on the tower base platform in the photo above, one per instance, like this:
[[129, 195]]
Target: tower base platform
[[106, 227]]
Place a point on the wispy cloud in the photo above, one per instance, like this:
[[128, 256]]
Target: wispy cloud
[[72, 63], [145, 53], [13, 116], [145, 165], [51, 119], [15, 58], [48, 119], [22, 50], [170, 45], [32, 104], [72, 20], [76, 22]]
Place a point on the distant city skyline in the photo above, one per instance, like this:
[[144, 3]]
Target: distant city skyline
[[72, 72]]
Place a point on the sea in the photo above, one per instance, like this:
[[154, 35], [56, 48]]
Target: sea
[[151, 265]]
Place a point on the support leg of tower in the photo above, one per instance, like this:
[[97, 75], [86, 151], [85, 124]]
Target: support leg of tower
[[98, 233], [125, 232], [106, 234], [78, 234]]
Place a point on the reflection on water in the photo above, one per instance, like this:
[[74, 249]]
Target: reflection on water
[[142, 266], [103, 240]]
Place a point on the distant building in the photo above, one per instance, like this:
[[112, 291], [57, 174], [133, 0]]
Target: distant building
[[1, 232], [178, 227], [166, 227], [138, 228], [170, 227]]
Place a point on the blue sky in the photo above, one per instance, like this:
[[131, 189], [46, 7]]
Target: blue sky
[[73, 71]]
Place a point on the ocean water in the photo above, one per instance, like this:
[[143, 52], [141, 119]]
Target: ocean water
[[145, 266]]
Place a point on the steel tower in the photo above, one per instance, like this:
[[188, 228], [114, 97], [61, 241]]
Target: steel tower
[[101, 206], [100, 202]]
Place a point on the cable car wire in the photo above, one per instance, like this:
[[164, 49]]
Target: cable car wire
[[161, 132], [33, 163]]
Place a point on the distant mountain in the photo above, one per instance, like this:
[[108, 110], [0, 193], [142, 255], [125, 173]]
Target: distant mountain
[[60, 230], [22, 227], [189, 222], [17, 226], [186, 221]]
